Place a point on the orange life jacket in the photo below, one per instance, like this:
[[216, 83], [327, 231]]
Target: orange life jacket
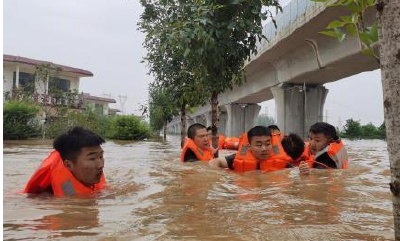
[[231, 143], [245, 161], [278, 159], [337, 152], [201, 154], [53, 174]]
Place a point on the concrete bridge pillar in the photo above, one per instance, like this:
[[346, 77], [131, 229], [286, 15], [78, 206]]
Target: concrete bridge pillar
[[298, 107], [241, 117], [250, 113]]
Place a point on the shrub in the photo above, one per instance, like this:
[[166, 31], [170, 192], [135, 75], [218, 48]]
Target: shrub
[[19, 120], [87, 119], [128, 128]]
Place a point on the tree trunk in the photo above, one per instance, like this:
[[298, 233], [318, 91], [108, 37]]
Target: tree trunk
[[389, 38], [165, 130], [183, 122], [214, 120]]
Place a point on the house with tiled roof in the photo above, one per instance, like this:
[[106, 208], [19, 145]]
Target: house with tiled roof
[[49, 84], [100, 105]]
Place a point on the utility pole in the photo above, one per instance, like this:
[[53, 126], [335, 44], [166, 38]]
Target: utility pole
[[122, 101], [340, 124]]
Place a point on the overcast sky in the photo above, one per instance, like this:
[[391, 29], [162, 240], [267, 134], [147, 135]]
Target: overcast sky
[[101, 36]]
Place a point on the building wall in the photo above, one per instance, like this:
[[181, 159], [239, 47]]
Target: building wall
[[7, 77], [92, 105], [10, 68]]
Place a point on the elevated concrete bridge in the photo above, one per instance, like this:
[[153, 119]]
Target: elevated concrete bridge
[[291, 68]]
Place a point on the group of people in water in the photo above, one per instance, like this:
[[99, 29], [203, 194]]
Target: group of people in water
[[267, 149], [75, 167]]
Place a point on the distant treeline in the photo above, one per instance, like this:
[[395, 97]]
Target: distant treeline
[[354, 130]]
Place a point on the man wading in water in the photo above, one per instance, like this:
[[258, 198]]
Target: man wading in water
[[75, 167], [326, 149], [196, 145]]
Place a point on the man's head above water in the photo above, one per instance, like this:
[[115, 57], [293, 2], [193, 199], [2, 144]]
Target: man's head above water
[[198, 133], [321, 135], [260, 142], [293, 145], [274, 129], [82, 154]]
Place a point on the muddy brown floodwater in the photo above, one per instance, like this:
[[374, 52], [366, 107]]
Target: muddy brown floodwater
[[152, 196]]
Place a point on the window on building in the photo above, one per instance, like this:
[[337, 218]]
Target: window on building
[[26, 81], [98, 108], [63, 84], [59, 85]]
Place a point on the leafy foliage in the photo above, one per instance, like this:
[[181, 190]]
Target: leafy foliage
[[354, 24], [87, 119], [128, 128], [197, 48], [19, 120], [354, 130]]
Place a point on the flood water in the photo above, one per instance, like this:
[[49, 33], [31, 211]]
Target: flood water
[[152, 196]]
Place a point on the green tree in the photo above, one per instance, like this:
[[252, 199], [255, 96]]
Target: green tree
[[369, 131], [216, 37], [382, 131], [161, 108], [167, 64], [128, 128], [352, 129]]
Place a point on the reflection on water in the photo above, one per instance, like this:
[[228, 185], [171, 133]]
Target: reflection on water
[[152, 196]]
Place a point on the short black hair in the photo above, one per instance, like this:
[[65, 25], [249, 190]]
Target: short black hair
[[258, 131], [193, 128], [273, 127], [327, 129], [293, 145], [209, 128], [70, 143]]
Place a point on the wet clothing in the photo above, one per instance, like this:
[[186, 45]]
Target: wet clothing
[[332, 156], [202, 154], [229, 159], [326, 160], [190, 156]]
